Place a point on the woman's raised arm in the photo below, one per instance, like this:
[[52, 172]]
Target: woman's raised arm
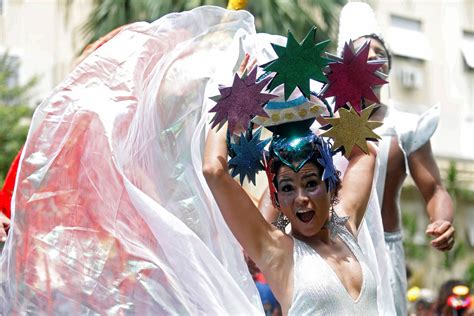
[[244, 220], [357, 185]]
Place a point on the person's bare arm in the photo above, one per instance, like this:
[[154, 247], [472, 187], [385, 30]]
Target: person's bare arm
[[439, 206], [244, 220], [237, 208], [357, 185], [265, 205]]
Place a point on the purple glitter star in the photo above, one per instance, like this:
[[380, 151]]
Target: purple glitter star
[[241, 102]]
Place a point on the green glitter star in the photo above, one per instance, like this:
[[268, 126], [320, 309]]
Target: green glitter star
[[297, 64]]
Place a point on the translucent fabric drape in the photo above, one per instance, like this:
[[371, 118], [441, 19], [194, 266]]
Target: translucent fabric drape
[[111, 211]]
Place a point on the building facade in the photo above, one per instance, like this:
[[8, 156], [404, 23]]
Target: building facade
[[433, 47], [37, 34], [433, 63]]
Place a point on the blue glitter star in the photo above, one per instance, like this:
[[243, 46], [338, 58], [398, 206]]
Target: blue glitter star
[[329, 173], [248, 156]]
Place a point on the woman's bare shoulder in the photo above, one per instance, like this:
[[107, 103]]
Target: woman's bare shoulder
[[278, 267]]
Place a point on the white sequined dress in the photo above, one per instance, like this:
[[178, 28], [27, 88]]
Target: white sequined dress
[[317, 290]]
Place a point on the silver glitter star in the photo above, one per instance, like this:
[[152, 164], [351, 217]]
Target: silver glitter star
[[336, 224], [281, 222]]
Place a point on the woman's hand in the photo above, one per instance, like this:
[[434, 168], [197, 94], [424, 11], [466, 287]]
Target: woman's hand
[[244, 65]]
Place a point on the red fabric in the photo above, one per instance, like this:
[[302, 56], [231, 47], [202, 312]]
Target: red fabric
[[260, 278], [270, 177], [7, 190]]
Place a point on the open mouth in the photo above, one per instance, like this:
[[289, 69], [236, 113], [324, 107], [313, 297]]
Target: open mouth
[[305, 216]]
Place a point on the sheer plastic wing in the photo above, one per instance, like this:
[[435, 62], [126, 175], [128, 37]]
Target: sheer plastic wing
[[111, 213]]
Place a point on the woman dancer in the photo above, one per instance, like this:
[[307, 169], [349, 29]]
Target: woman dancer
[[318, 267], [308, 271], [114, 214]]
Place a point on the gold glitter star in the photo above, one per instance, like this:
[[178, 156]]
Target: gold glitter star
[[351, 129]]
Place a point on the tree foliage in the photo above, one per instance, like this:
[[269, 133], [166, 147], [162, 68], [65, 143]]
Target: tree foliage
[[414, 249], [14, 112], [12, 93], [271, 16], [469, 275]]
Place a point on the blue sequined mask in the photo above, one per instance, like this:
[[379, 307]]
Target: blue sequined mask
[[294, 152]]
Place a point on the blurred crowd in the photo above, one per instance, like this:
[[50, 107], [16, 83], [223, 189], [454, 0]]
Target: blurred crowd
[[454, 297]]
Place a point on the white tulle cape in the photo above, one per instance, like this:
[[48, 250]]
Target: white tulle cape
[[111, 211]]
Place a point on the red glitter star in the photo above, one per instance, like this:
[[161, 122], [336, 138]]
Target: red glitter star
[[352, 77]]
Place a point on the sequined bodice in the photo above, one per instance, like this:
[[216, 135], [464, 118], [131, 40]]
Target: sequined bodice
[[317, 290]]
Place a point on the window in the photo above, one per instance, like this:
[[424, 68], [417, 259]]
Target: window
[[407, 39], [404, 23], [410, 77]]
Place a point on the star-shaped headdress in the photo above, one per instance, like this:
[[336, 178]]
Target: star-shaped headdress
[[351, 129], [247, 155], [352, 78], [330, 173], [296, 110], [241, 102], [297, 64], [349, 79]]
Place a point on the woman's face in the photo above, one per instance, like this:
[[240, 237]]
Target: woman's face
[[303, 198]]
